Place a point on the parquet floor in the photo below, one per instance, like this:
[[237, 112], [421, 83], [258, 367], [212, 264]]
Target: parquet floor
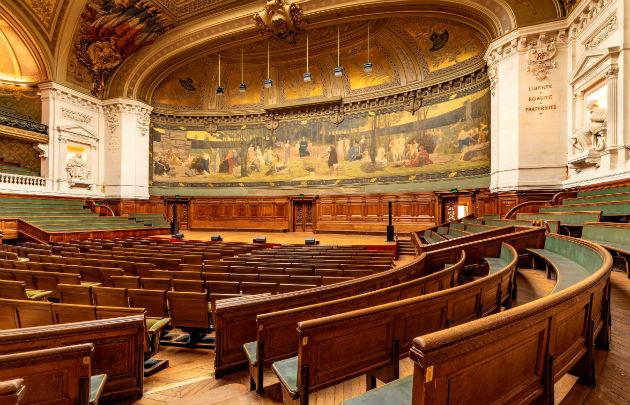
[[190, 380]]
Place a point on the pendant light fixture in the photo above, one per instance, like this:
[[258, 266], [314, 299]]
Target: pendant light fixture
[[338, 70], [242, 87], [267, 83], [220, 89], [367, 66], [307, 74]]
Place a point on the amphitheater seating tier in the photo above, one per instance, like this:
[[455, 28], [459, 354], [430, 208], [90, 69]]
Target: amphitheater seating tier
[[52, 215]]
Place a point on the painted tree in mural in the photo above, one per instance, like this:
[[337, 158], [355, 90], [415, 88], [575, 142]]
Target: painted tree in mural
[[111, 31]]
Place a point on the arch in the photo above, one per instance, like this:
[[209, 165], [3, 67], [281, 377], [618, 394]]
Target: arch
[[140, 73], [30, 61]]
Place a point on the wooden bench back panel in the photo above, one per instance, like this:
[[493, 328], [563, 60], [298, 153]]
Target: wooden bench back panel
[[278, 330], [507, 353], [326, 345], [235, 322], [52, 376], [118, 350]]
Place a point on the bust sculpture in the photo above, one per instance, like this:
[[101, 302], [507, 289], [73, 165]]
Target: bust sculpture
[[593, 135]]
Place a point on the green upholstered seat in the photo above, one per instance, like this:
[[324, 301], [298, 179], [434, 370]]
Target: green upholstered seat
[[565, 218], [596, 199], [468, 221], [568, 271], [447, 236], [507, 222], [495, 264], [287, 372], [251, 352], [156, 324], [613, 208], [456, 233], [395, 393], [457, 225], [97, 383], [37, 295], [604, 191], [475, 228]]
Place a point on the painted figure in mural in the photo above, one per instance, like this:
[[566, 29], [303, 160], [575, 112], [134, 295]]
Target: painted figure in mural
[[304, 148], [593, 135], [332, 158], [76, 168], [287, 151]]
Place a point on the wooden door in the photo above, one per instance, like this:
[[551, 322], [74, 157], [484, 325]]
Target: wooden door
[[449, 209], [303, 215]]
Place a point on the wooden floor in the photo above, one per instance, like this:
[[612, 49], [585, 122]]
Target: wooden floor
[[190, 380], [341, 239]]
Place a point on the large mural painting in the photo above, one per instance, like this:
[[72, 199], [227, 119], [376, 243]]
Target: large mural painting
[[449, 137]]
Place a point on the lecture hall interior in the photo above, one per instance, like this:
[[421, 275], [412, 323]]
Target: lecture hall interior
[[325, 202]]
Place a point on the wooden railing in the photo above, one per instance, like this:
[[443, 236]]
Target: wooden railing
[[527, 206]]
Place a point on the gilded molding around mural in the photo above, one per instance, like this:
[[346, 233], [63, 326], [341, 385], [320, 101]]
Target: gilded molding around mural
[[76, 116], [602, 33], [111, 31]]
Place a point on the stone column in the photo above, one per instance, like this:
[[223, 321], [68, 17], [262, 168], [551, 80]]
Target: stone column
[[127, 148], [612, 140]]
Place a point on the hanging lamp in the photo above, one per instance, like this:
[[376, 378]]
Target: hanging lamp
[[267, 83], [338, 70], [242, 87], [307, 75], [367, 66], [220, 89]]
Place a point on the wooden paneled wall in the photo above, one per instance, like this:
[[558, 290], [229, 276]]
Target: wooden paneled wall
[[264, 213], [369, 213]]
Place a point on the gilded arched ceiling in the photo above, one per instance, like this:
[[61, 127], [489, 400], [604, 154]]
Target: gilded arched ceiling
[[403, 51], [197, 26], [18, 63]]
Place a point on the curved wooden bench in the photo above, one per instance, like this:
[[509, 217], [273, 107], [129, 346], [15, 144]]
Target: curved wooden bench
[[615, 237], [432, 237], [577, 218], [372, 340], [277, 334], [466, 238], [517, 356], [235, 322]]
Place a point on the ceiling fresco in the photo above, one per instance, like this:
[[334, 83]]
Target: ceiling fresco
[[199, 24], [402, 50]]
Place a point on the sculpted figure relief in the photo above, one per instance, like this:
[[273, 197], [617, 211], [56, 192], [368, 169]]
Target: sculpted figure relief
[[76, 168], [593, 135]]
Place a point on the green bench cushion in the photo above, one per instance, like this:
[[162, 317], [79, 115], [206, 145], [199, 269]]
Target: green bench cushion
[[621, 247], [97, 383], [495, 264], [607, 208], [37, 295], [565, 218], [604, 191], [156, 324], [395, 393], [287, 372], [251, 352], [569, 272], [457, 225]]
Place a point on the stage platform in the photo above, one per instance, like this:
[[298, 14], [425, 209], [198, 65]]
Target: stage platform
[[285, 238]]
